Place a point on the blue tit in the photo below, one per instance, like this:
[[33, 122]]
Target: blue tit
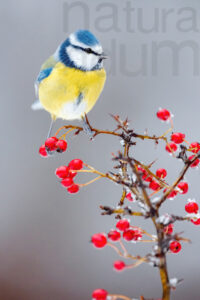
[[72, 79]]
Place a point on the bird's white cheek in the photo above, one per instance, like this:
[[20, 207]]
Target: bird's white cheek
[[89, 61], [82, 59]]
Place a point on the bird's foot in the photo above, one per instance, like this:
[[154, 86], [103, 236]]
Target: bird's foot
[[87, 128]]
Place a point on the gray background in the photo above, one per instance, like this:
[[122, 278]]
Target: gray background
[[44, 232]]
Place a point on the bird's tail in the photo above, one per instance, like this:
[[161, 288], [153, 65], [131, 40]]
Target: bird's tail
[[36, 105]]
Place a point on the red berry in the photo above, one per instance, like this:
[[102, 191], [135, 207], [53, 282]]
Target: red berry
[[50, 143], [154, 185], [128, 235], [114, 235], [163, 114], [161, 173], [62, 172], [142, 170], [129, 197], [99, 240], [195, 163], [171, 147], [194, 147], [119, 265], [61, 146], [183, 186], [147, 178], [177, 137], [132, 234], [66, 182], [99, 294], [76, 164], [196, 221], [123, 224], [43, 151], [73, 189], [169, 229], [172, 194], [191, 207], [175, 247], [72, 174]]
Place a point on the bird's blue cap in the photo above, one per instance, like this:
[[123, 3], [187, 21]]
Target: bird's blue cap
[[86, 37]]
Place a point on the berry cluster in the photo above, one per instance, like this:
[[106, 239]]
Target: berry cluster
[[193, 208], [128, 233], [155, 185], [140, 183], [177, 138], [123, 231], [67, 174], [174, 246], [51, 145]]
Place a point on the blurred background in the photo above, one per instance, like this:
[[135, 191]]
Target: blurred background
[[44, 232]]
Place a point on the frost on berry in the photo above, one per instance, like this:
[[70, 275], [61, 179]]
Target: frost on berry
[[174, 282], [155, 200], [183, 187], [171, 195], [196, 219], [164, 219]]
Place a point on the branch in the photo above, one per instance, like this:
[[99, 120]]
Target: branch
[[126, 211], [176, 182]]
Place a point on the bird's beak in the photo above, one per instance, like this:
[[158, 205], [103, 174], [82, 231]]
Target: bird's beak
[[104, 56]]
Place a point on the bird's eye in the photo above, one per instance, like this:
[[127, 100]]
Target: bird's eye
[[88, 50]]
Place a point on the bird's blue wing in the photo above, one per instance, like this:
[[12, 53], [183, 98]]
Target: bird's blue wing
[[45, 71], [44, 74]]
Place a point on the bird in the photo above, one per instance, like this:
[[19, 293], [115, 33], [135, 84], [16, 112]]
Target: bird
[[71, 80]]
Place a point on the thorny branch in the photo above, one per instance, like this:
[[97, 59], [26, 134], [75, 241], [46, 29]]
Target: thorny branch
[[127, 166]]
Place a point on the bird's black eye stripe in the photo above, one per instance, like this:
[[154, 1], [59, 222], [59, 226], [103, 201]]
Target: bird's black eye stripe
[[90, 51], [87, 50]]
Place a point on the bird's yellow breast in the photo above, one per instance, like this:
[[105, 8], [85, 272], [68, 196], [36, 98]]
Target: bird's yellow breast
[[59, 92]]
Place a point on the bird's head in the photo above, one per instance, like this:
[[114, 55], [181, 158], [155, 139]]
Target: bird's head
[[82, 51]]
